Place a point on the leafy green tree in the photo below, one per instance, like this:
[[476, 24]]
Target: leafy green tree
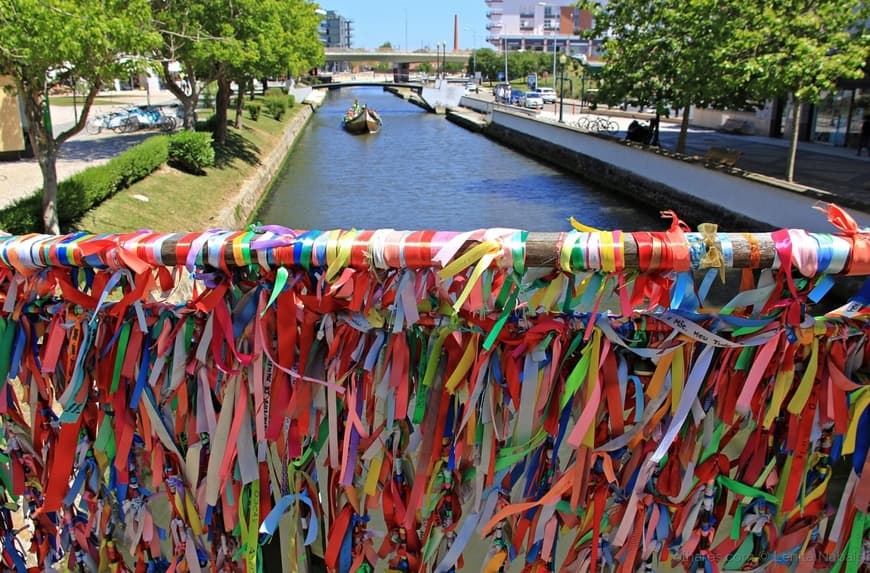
[[802, 48], [238, 40], [46, 43], [179, 23], [673, 54], [489, 63]]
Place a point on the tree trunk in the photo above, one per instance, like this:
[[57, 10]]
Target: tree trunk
[[188, 100], [795, 131], [222, 104], [684, 131], [239, 106], [47, 158], [44, 148]]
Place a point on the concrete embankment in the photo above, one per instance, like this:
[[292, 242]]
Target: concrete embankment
[[660, 180], [255, 189]]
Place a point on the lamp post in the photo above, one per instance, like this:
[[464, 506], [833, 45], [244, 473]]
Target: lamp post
[[444, 56], [506, 80], [562, 59], [582, 82], [555, 43], [473, 52]]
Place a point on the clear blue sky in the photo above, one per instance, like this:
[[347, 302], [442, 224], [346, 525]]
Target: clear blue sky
[[379, 21]]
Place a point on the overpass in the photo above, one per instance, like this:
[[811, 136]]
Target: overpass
[[414, 86], [352, 55]]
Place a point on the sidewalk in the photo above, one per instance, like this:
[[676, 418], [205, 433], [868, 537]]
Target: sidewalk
[[22, 177], [835, 171]]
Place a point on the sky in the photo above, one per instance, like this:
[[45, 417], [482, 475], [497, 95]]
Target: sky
[[428, 23]]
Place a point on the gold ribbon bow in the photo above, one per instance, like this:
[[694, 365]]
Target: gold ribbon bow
[[713, 257]]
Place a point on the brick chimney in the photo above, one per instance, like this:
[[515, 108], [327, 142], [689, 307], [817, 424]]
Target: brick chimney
[[456, 32]]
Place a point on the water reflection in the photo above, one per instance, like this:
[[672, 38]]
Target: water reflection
[[423, 172]]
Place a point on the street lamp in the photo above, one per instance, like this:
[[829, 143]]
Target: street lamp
[[506, 80], [473, 52], [555, 43], [562, 59]]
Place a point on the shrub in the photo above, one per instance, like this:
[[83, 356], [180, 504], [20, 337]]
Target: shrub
[[274, 92], [276, 106], [209, 125], [140, 161], [253, 110], [291, 100], [191, 151], [86, 189]]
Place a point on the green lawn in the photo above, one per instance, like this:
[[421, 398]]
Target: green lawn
[[180, 202]]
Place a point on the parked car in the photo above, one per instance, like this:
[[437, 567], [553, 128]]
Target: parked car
[[533, 100], [548, 95], [517, 97]]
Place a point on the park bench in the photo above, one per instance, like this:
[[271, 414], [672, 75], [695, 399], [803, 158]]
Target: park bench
[[722, 156]]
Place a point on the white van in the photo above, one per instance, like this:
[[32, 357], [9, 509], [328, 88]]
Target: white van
[[547, 94]]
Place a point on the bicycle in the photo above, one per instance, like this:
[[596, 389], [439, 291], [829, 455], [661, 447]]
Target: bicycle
[[117, 121], [598, 124]]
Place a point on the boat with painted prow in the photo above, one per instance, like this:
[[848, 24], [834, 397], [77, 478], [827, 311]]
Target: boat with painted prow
[[361, 119]]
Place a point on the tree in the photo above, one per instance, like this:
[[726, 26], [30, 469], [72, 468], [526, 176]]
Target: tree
[[674, 54], [46, 43], [251, 38], [802, 48], [488, 62], [179, 23]]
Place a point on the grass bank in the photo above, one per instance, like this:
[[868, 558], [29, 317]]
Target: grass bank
[[170, 200]]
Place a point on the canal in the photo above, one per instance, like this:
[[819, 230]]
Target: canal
[[424, 172]]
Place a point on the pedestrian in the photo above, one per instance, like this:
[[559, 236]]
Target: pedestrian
[[864, 138]]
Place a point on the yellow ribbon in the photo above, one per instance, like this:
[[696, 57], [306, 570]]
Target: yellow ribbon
[[482, 254], [581, 227], [338, 252], [713, 257], [461, 370], [802, 394], [607, 248]]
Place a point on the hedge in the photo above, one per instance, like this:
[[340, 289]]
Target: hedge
[[86, 189]]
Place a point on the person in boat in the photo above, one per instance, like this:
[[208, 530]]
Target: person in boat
[[356, 106]]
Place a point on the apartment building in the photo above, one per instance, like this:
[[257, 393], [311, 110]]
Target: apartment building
[[539, 26], [336, 31]]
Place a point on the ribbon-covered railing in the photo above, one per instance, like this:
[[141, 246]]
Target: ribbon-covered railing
[[432, 402]]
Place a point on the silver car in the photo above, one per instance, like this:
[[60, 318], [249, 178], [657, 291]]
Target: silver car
[[533, 100]]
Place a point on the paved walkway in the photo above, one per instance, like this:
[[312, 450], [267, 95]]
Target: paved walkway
[[835, 170], [22, 177]]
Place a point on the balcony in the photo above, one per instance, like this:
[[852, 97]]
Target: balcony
[[527, 15], [494, 26], [497, 2], [497, 13]]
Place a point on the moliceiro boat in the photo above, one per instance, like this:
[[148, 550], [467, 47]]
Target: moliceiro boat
[[361, 119]]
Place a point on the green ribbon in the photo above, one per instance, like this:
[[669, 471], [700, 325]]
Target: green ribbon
[[120, 355]]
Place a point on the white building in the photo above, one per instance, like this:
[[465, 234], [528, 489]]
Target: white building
[[535, 26]]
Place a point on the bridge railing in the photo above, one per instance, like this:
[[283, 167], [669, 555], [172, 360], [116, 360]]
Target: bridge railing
[[183, 398]]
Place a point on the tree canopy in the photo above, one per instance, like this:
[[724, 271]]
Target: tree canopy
[[46, 43], [726, 53]]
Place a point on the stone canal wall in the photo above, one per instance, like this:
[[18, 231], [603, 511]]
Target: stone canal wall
[[659, 179], [238, 212]]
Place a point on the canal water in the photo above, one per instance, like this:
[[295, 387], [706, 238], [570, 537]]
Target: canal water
[[424, 172]]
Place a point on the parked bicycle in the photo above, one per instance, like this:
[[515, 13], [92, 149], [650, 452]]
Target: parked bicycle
[[133, 119], [598, 125], [117, 121]]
